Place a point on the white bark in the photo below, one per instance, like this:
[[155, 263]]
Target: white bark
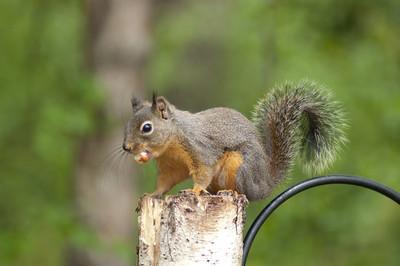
[[186, 230]]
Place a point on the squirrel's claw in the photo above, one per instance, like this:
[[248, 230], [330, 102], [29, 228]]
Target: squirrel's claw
[[197, 189]]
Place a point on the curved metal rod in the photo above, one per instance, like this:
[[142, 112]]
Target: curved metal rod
[[307, 184]]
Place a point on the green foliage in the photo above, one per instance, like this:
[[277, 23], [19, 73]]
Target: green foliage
[[47, 101], [206, 53], [230, 52]]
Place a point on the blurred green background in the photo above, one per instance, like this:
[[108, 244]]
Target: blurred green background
[[203, 54]]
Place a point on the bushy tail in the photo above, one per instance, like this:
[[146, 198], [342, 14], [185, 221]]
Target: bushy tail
[[299, 119]]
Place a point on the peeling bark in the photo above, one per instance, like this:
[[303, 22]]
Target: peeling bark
[[189, 230]]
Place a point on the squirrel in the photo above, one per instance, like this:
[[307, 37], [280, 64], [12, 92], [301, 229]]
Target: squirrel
[[223, 150]]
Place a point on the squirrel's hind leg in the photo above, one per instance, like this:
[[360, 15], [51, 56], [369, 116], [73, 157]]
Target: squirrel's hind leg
[[225, 172], [252, 178]]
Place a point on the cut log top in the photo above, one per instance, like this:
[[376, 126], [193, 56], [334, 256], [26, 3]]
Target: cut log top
[[187, 230]]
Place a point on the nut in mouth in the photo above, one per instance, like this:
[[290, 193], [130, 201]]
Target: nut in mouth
[[143, 156]]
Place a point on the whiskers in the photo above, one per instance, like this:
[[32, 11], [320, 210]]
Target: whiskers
[[114, 165]]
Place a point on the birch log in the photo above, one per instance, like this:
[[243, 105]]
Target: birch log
[[189, 230]]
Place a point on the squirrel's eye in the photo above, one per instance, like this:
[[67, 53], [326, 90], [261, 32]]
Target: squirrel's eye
[[146, 127]]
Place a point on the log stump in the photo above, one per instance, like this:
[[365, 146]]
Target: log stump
[[187, 230]]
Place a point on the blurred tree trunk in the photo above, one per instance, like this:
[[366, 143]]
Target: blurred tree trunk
[[117, 48]]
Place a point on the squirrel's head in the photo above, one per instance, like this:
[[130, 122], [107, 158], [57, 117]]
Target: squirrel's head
[[149, 131]]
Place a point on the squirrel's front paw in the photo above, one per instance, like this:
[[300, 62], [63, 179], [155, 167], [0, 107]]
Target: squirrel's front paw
[[197, 189]]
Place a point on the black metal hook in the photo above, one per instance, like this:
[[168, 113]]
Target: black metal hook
[[307, 184]]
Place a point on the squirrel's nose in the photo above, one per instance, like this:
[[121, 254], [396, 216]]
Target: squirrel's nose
[[126, 147]]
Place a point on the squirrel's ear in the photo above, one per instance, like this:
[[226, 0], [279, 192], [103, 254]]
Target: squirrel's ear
[[136, 104], [161, 107]]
